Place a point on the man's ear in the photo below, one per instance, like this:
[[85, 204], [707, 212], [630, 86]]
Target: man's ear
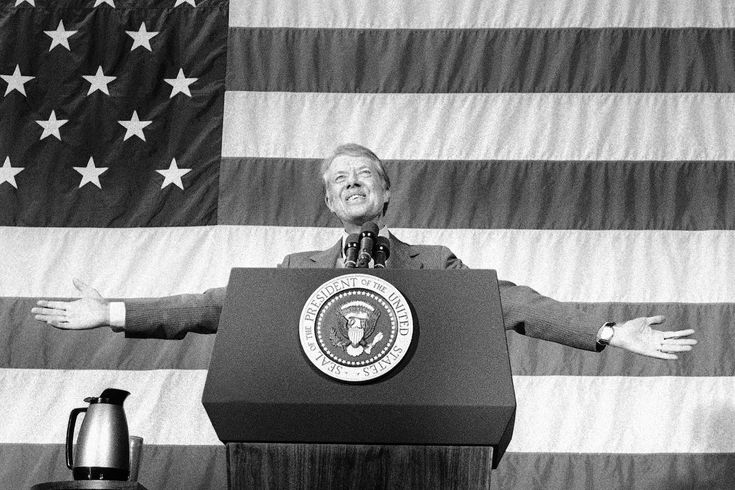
[[327, 202]]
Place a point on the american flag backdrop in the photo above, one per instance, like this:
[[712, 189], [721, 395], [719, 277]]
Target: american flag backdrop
[[585, 149]]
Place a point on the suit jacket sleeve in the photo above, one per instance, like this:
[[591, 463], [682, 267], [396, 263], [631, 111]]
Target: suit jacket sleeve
[[524, 310], [530, 313], [173, 317]]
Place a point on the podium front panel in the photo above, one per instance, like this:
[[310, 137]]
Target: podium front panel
[[454, 387]]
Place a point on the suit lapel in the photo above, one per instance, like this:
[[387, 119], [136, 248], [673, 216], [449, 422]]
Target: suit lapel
[[328, 258], [403, 255]]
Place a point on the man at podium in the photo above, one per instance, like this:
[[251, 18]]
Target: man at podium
[[358, 191]]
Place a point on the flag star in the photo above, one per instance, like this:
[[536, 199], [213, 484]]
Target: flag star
[[8, 173], [180, 84], [98, 81], [181, 2], [142, 37], [97, 3], [51, 126], [18, 2], [134, 127], [90, 173], [16, 81], [60, 37], [173, 175]]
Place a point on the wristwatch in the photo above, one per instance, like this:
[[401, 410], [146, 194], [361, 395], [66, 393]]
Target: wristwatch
[[605, 333]]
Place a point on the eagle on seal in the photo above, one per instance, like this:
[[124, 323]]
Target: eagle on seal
[[352, 332]]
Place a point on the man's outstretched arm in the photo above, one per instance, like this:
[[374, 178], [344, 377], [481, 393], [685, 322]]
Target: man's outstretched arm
[[535, 315], [171, 317]]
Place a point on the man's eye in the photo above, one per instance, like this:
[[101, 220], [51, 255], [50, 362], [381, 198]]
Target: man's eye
[[366, 173], [339, 178]]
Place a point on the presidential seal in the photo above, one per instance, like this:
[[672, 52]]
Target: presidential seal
[[356, 327]]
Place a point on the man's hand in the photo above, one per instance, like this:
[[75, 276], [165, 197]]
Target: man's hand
[[637, 336], [91, 311]]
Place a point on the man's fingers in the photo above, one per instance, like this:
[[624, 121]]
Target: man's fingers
[[59, 324], [57, 305], [655, 320], [665, 355], [48, 311], [679, 342], [675, 348], [678, 333], [85, 289], [54, 320]]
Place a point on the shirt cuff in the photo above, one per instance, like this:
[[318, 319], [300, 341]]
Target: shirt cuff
[[117, 314]]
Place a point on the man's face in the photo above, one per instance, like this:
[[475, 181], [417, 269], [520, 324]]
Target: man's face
[[355, 191]]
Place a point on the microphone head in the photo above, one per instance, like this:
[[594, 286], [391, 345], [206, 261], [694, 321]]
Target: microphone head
[[383, 244], [369, 228], [353, 240]]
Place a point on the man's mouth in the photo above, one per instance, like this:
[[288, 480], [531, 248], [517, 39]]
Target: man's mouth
[[355, 197]]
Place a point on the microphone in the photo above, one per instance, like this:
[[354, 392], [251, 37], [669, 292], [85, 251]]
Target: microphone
[[382, 252], [351, 249], [368, 233]]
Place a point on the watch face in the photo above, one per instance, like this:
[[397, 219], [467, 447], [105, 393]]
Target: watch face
[[606, 334]]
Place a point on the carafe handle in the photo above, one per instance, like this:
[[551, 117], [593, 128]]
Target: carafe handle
[[70, 435]]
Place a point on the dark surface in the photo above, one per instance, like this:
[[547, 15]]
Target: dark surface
[[89, 485], [337, 466], [456, 388]]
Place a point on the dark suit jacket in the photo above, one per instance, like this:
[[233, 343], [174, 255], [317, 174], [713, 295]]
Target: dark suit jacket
[[524, 310]]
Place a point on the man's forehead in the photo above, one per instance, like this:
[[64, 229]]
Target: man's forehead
[[348, 162]]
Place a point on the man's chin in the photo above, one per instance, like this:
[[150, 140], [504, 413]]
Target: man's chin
[[359, 220]]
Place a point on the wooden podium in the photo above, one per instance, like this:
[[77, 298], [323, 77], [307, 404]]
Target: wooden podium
[[442, 418]]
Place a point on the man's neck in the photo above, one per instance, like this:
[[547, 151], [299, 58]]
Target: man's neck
[[357, 227]]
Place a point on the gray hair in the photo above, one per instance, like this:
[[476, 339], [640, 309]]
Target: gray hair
[[355, 150]]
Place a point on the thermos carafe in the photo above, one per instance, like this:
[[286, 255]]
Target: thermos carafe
[[102, 445]]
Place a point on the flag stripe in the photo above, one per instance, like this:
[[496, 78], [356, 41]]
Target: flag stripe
[[32, 345], [653, 414], [610, 266], [626, 113], [633, 126], [574, 471], [496, 194], [436, 14], [482, 60], [205, 467]]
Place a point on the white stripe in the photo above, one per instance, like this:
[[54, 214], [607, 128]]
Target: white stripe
[[431, 14], [538, 126], [624, 415], [569, 265], [164, 407], [582, 414]]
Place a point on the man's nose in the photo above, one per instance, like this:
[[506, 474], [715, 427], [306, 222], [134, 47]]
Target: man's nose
[[352, 179]]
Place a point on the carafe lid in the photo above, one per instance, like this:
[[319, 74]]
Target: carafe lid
[[110, 395]]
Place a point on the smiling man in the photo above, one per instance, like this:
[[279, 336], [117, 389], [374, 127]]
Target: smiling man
[[357, 190]]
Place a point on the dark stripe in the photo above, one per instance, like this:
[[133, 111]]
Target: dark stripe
[[481, 60], [614, 471], [30, 344], [584, 195], [204, 467], [714, 355]]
